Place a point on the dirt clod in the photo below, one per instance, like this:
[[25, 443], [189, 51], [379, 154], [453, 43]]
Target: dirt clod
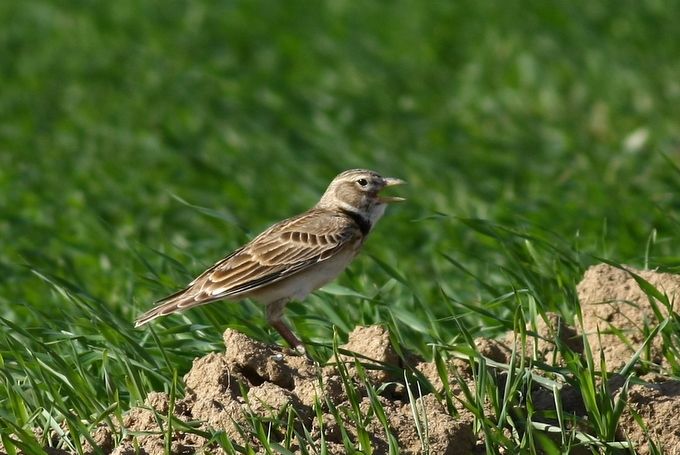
[[371, 344], [493, 349], [614, 304], [250, 378], [658, 404]]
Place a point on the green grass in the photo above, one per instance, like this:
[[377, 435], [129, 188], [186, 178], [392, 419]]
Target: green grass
[[141, 141]]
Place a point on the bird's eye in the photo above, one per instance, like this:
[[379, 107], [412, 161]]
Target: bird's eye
[[362, 182]]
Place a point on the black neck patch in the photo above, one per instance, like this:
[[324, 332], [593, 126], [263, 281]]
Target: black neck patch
[[363, 223]]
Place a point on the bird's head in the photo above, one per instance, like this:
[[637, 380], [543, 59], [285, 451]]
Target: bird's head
[[358, 191]]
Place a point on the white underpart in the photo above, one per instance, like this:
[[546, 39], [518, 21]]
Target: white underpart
[[377, 213]]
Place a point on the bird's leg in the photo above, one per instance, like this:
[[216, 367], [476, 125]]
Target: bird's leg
[[274, 313]]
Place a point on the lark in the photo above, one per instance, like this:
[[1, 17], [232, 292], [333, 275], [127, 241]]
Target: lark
[[293, 257]]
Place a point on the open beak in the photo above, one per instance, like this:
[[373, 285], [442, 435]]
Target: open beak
[[389, 181]]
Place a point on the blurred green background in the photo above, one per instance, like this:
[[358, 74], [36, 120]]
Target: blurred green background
[[141, 141]]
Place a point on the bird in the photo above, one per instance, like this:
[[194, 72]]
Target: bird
[[293, 257]]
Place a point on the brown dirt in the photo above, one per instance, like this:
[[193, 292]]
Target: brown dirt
[[611, 299], [223, 390], [274, 382], [657, 403]]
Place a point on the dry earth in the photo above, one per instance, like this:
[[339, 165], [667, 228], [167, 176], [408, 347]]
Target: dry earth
[[223, 390]]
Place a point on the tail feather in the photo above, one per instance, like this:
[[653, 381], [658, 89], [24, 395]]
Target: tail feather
[[174, 303]]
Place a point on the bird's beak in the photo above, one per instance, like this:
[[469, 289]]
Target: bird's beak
[[390, 181]]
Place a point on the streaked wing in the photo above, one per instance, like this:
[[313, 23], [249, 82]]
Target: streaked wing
[[284, 249]]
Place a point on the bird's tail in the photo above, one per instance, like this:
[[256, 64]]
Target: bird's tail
[[174, 303]]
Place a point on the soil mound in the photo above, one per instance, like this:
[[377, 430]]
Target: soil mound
[[223, 390], [615, 305]]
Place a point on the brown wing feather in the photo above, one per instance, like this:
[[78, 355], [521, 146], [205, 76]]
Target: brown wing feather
[[284, 249]]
